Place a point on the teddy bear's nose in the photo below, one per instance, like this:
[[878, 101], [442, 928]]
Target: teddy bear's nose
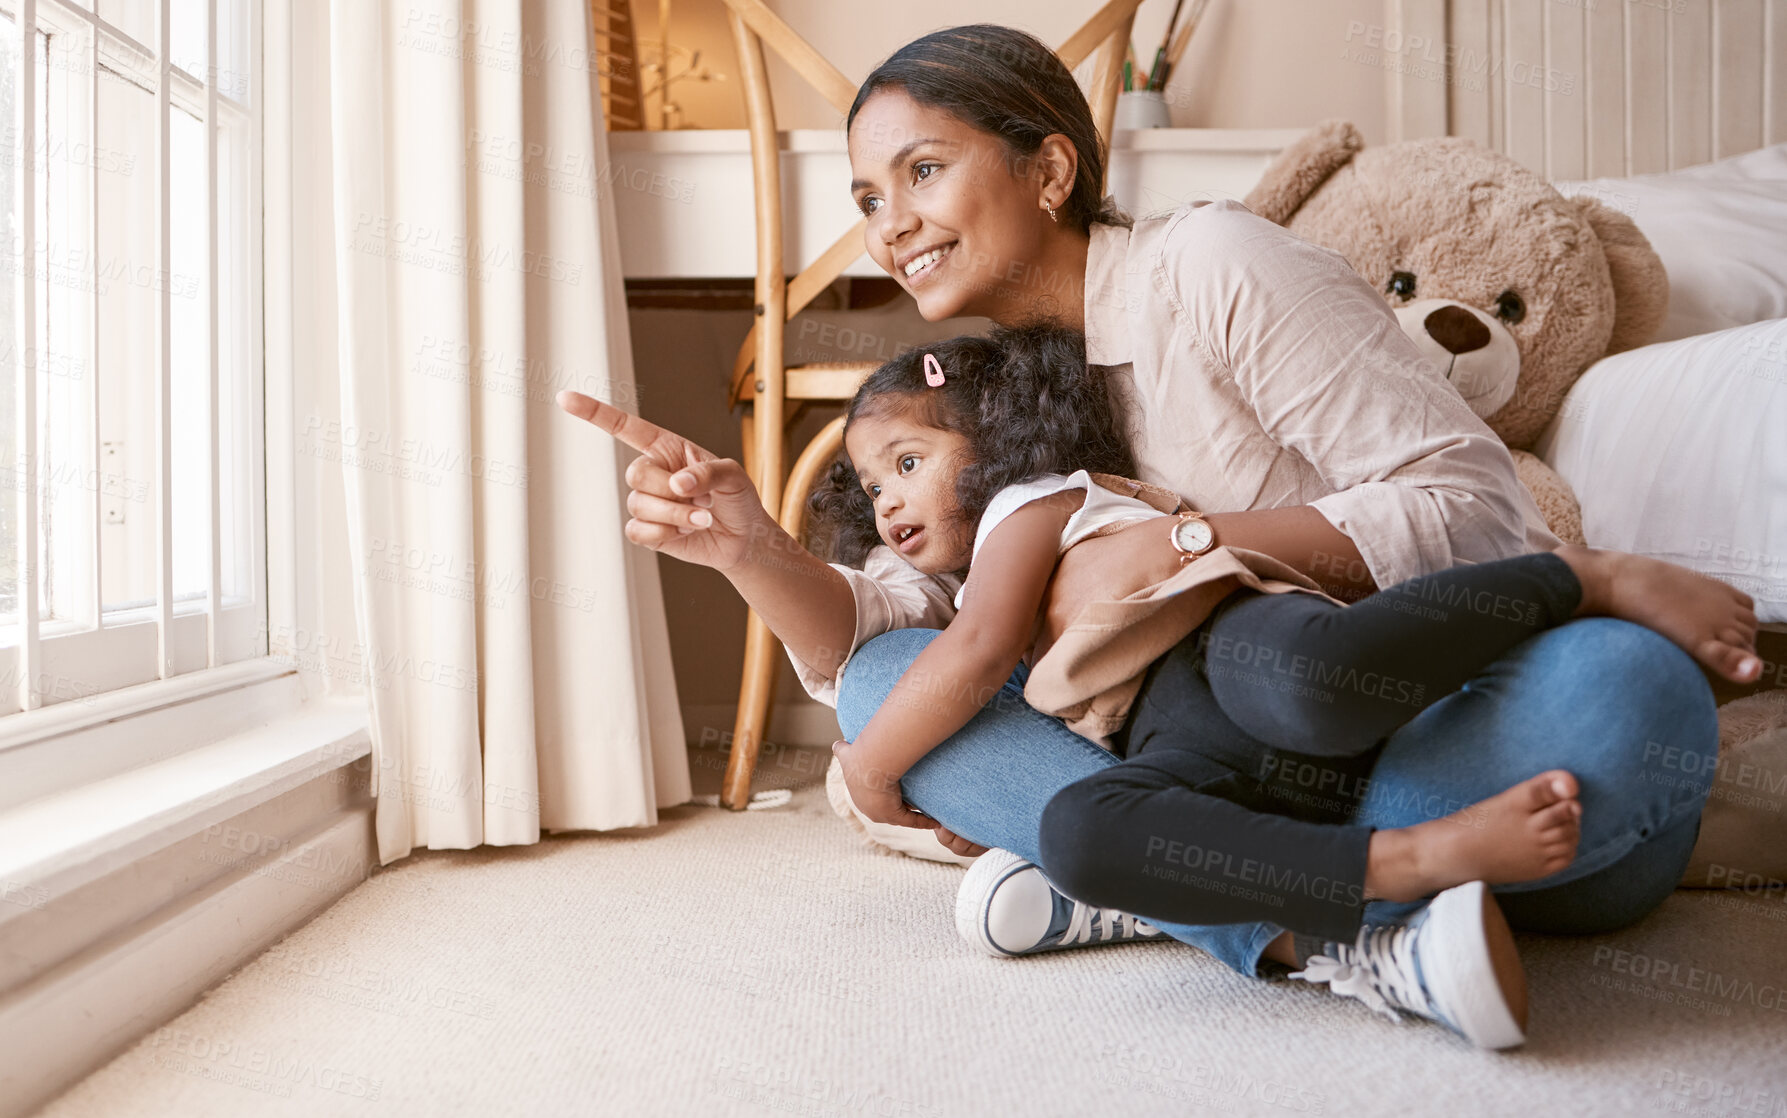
[[1457, 329]]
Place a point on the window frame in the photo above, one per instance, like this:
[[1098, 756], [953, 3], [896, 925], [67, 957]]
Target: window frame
[[83, 661]]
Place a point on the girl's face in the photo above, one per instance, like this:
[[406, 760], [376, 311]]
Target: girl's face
[[950, 215], [909, 472]]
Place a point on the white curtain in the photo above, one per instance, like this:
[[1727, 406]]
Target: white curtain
[[514, 644]]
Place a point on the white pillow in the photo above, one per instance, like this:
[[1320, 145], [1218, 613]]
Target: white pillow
[[1679, 450], [1721, 229]]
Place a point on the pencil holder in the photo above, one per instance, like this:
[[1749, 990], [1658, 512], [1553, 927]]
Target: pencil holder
[[1142, 108]]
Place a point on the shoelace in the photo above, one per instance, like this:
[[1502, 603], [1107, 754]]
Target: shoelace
[[1110, 923], [1380, 962]]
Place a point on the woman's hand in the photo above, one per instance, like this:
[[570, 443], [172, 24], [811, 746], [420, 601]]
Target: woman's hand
[[685, 501], [875, 791]]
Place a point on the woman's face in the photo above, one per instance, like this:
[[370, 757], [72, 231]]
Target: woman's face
[[909, 472], [950, 215]]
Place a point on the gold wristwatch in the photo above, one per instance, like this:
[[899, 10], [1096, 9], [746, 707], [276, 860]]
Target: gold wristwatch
[[1191, 536]]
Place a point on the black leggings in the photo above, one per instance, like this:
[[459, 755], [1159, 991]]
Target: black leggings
[[1251, 741]]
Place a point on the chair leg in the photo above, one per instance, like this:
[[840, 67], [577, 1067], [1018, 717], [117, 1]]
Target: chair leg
[[748, 433], [763, 653], [757, 680], [756, 693]]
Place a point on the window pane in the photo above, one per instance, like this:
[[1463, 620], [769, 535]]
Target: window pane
[[127, 227], [235, 433], [189, 301], [63, 479], [10, 239], [232, 49], [135, 18], [187, 20], [57, 263]]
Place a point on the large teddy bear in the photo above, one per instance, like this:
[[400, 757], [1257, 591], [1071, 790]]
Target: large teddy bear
[[1514, 290], [1510, 287]]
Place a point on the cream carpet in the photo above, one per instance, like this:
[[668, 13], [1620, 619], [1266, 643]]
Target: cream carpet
[[765, 963]]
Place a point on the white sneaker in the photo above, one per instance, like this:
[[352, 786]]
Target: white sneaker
[[1006, 907], [1455, 963]]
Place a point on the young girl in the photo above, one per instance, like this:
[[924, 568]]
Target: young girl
[[1248, 704]]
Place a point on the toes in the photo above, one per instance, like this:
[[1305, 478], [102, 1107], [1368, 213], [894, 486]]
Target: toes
[[1547, 789], [1731, 659], [1563, 784], [1557, 815]]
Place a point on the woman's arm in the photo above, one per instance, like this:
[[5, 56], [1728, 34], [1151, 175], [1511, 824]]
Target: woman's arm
[[1420, 483], [959, 673], [1301, 537], [1123, 563]]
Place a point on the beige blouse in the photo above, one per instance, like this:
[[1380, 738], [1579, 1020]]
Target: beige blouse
[[1256, 370]]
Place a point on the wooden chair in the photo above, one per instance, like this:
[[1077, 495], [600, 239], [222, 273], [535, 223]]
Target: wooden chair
[[761, 382], [612, 21]]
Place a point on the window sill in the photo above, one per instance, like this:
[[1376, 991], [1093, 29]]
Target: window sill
[[231, 813], [54, 844]]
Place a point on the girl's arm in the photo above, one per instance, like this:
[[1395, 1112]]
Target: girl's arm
[[960, 671]]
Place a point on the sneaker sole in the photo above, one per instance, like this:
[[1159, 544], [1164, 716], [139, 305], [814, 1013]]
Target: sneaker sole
[[978, 885], [1478, 976]]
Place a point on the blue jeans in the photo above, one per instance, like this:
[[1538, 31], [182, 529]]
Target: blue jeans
[[1617, 705]]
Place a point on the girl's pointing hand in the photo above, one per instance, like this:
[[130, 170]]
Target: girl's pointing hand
[[685, 501]]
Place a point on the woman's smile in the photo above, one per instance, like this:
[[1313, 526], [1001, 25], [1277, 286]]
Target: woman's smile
[[920, 266]]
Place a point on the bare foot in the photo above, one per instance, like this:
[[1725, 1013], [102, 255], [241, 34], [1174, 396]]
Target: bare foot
[[1713, 622], [1528, 832]]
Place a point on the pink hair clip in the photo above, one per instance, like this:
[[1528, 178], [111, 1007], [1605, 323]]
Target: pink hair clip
[[933, 371]]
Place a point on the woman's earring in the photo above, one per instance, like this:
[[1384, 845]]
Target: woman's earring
[[1051, 210]]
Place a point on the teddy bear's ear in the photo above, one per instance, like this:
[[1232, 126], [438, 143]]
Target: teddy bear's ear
[[1302, 168], [1640, 285]]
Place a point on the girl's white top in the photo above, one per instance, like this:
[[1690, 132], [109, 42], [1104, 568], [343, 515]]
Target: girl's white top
[[1101, 508]]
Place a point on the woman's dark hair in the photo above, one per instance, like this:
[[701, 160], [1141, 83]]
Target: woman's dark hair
[[1022, 396], [1009, 83]]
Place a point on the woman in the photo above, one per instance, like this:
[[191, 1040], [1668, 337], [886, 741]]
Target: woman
[[1257, 373]]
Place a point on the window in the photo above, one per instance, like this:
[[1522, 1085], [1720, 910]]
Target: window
[[132, 515]]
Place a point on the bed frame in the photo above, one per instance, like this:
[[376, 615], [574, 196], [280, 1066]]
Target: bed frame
[[1589, 88]]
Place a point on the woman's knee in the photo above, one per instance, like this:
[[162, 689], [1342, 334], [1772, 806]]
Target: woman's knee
[[872, 672], [1616, 896], [1636, 678]]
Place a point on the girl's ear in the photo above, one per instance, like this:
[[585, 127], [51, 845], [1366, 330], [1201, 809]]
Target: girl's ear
[[1056, 163]]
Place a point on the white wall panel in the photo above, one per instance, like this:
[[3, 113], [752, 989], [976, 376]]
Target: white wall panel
[[1588, 88]]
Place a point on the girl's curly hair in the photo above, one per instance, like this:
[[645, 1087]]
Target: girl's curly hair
[[1022, 396]]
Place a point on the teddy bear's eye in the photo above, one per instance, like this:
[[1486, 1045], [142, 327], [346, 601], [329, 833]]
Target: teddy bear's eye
[[1510, 307], [1401, 285]]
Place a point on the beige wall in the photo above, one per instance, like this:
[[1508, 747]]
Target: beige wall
[[1252, 64]]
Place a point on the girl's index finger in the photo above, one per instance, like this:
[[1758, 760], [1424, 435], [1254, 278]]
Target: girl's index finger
[[640, 434]]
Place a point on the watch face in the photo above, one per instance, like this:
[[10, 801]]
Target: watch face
[[1193, 535]]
